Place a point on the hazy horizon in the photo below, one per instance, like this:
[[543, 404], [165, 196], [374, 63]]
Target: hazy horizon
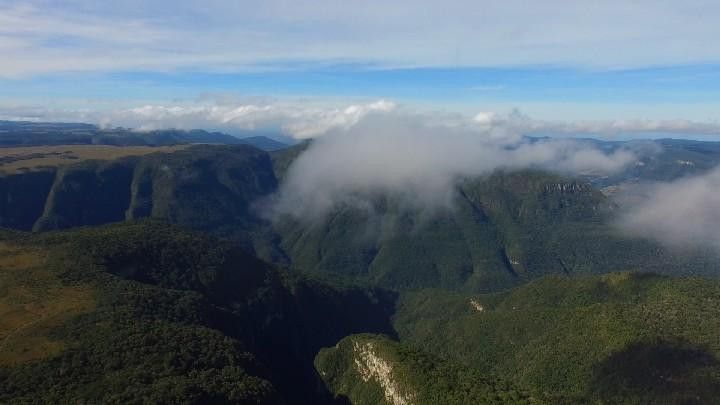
[[626, 68]]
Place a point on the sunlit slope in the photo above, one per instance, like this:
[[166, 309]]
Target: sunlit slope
[[32, 158], [34, 301], [372, 369], [620, 337]]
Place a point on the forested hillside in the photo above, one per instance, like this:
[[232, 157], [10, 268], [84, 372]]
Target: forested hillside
[[502, 230], [615, 338], [166, 316], [371, 369], [520, 292]]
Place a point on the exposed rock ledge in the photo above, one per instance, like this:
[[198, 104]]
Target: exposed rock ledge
[[371, 366]]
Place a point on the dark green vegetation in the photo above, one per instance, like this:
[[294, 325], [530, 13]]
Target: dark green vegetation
[[170, 315], [522, 293], [15, 133], [371, 369], [616, 338], [182, 317], [206, 187], [504, 229]]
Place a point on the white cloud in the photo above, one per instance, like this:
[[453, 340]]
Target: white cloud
[[302, 119], [681, 214], [222, 35], [418, 159], [611, 127], [379, 146], [320, 122], [297, 120]]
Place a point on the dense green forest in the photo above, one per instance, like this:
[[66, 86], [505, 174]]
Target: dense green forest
[[157, 279], [372, 369], [177, 315], [150, 312], [619, 337], [503, 230]]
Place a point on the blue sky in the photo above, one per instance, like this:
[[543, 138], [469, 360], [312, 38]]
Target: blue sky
[[697, 84], [553, 60]]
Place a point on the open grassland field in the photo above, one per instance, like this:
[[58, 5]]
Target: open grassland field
[[21, 159], [33, 301]]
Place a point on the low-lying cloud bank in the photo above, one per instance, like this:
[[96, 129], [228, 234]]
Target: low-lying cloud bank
[[298, 120], [302, 119], [418, 159], [361, 150], [681, 214]]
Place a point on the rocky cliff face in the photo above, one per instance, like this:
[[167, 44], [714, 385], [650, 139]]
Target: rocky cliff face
[[364, 369], [92, 193], [202, 187], [501, 231], [373, 369], [22, 198]]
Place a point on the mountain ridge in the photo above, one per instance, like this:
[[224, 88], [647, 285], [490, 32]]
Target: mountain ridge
[[26, 133], [503, 230]]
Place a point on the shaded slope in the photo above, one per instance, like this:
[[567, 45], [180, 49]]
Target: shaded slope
[[205, 187], [22, 198], [181, 316], [504, 229]]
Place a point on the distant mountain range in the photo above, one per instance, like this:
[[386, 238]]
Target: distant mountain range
[[22, 133]]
